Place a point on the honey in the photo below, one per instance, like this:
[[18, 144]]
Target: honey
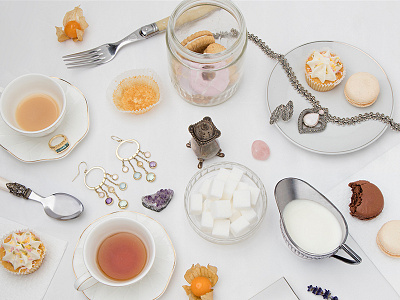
[[136, 94]]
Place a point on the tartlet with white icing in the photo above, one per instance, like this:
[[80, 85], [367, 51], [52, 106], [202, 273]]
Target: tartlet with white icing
[[21, 252], [324, 71]]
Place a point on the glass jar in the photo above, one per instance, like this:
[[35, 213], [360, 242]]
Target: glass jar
[[206, 79]]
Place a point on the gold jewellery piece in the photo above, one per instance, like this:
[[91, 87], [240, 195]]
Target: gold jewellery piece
[[139, 156], [104, 188], [60, 147]]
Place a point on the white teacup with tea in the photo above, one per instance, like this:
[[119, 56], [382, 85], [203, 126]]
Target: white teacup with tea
[[33, 105], [117, 252]]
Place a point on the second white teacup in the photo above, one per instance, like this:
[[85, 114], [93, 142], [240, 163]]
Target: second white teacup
[[100, 232], [24, 87]]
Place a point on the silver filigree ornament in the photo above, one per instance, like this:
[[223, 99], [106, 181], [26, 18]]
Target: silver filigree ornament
[[316, 106], [284, 111]]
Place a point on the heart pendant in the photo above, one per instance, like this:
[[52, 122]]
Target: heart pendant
[[312, 120]]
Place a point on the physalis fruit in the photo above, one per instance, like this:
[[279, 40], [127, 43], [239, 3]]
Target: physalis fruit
[[74, 26], [201, 280]]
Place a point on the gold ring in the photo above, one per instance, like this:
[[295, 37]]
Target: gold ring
[[61, 147]]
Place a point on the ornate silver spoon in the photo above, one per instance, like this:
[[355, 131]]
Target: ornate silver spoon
[[59, 206]]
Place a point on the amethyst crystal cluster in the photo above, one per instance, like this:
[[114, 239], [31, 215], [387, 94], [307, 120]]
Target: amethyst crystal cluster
[[159, 200]]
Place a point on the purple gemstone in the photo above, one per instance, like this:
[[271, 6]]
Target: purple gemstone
[[159, 200], [109, 200], [152, 164]]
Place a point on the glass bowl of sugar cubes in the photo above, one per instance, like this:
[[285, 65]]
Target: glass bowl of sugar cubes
[[225, 203]]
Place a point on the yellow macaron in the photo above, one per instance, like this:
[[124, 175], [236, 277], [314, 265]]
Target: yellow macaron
[[388, 238], [361, 89]]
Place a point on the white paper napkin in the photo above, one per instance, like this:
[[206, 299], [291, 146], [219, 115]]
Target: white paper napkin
[[32, 286], [384, 173], [280, 289]]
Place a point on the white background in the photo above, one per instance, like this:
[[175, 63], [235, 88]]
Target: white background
[[29, 45]]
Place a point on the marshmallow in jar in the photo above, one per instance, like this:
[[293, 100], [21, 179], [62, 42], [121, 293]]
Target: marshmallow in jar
[[206, 41]]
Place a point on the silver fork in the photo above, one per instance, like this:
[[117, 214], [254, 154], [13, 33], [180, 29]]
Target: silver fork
[[105, 53]]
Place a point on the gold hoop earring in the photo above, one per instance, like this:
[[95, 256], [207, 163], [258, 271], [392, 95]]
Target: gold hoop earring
[[104, 188], [139, 156]]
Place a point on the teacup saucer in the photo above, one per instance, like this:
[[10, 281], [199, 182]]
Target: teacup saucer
[[153, 285], [74, 126]]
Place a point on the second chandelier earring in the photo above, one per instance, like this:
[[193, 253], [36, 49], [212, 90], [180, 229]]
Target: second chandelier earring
[[104, 187], [139, 156]]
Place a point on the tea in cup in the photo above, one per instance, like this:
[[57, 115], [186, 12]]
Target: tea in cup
[[33, 105], [117, 252]]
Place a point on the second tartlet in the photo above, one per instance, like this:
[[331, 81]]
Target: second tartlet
[[21, 252], [324, 71]]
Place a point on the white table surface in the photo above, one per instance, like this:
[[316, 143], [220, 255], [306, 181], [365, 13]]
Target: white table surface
[[29, 45]]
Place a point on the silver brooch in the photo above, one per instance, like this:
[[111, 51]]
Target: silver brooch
[[284, 111]]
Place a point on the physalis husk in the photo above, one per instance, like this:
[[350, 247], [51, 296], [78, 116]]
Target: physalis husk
[[74, 26], [201, 279]]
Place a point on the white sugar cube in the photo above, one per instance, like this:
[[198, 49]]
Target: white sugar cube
[[229, 188], [255, 193], [221, 209], [250, 215], [221, 228], [240, 226], [217, 188], [236, 174], [241, 199], [207, 205], [205, 187], [196, 204], [235, 215], [223, 174], [207, 221], [242, 186]]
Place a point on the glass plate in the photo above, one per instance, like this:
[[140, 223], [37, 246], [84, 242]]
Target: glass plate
[[335, 139], [210, 172]]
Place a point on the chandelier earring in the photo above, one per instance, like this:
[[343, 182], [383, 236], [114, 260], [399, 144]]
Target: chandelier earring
[[138, 157], [106, 187]]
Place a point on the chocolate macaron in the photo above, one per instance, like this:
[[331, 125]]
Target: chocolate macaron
[[366, 201]]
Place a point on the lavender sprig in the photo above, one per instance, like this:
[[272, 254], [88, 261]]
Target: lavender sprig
[[319, 291]]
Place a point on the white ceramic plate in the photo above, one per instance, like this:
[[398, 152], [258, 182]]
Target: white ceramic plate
[[153, 285], [335, 139], [75, 126]]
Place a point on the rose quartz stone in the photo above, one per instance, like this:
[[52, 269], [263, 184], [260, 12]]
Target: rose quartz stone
[[260, 150]]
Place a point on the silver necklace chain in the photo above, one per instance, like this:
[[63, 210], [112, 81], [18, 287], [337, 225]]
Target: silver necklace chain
[[311, 99]]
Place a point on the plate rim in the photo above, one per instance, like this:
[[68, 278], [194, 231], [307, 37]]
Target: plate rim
[[71, 146], [330, 152], [134, 212]]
